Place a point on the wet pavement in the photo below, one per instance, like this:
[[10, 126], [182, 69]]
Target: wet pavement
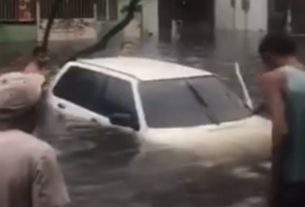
[[102, 171]]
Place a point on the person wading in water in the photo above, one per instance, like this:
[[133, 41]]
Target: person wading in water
[[283, 84], [39, 61], [127, 49]]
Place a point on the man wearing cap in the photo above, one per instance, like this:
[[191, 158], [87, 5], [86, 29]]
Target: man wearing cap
[[29, 172]]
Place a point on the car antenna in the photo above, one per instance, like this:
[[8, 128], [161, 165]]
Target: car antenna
[[103, 42], [243, 85]]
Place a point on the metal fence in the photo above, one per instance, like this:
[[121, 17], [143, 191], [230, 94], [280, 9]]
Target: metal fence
[[104, 9], [68, 9], [16, 11], [12, 11]]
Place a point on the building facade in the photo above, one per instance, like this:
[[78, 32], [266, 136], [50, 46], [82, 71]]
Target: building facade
[[17, 20], [146, 21], [26, 20], [250, 15], [287, 15]]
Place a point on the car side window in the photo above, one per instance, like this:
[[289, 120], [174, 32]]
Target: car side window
[[97, 92], [119, 97], [82, 87]]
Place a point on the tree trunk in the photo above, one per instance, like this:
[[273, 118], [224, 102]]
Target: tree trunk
[[52, 16], [103, 42]]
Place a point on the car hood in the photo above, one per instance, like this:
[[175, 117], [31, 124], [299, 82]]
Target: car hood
[[208, 159], [250, 136]]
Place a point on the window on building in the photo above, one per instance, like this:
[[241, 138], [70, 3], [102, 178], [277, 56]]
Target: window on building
[[17, 11], [102, 9], [107, 9], [113, 9]]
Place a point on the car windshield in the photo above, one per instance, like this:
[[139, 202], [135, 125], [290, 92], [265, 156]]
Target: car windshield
[[190, 102]]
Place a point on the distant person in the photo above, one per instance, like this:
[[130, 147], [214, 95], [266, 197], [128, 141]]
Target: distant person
[[127, 48], [39, 61], [30, 175], [283, 83]]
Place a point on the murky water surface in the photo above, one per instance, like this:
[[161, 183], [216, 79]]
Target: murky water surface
[[103, 171]]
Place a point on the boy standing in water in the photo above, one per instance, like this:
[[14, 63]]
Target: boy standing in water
[[39, 61], [127, 49], [283, 84], [38, 64]]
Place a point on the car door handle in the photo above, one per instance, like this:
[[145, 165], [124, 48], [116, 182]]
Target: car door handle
[[61, 106]]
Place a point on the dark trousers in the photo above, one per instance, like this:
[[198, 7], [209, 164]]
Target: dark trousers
[[292, 195], [286, 194]]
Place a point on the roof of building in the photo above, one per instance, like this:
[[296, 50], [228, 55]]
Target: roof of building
[[146, 69]]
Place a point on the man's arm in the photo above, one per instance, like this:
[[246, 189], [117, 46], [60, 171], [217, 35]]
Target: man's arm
[[48, 187], [272, 86]]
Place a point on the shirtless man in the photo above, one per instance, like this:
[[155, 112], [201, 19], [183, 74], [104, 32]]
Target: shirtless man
[[283, 83]]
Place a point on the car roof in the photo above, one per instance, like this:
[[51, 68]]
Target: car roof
[[145, 69]]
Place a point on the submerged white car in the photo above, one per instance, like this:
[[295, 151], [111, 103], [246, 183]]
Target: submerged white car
[[159, 102], [195, 139]]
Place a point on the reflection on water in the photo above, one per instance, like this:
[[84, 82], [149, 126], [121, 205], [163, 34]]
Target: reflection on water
[[114, 171]]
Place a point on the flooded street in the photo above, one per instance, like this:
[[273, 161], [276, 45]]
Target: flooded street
[[123, 172], [149, 138]]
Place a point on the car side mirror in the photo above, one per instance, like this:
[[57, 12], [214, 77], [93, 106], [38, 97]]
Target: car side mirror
[[124, 120]]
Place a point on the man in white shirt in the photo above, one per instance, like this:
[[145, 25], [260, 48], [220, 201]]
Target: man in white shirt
[[29, 171]]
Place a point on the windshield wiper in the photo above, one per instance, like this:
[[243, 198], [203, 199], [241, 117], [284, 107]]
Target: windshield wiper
[[203, 102]]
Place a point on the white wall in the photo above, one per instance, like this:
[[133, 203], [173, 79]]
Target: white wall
[[259, 15], [227, 19], [150, 16], [224, 15], [68, 29]]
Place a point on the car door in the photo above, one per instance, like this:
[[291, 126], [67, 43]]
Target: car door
[[119, 100], [76, 92], [79, 105]]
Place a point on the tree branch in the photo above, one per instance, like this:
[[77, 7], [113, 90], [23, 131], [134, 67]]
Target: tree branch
[[51, 18], [102, 44]]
